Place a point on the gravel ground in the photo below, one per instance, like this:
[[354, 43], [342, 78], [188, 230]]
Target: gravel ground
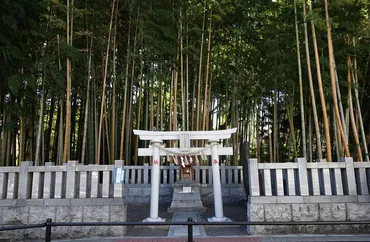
[[137, 213]]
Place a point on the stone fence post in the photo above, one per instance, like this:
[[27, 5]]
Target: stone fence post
[[71, 179], [24, 185], [254, 186], [302, 176], [350, 174]]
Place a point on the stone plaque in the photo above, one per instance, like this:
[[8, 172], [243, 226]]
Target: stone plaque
[[186, 189], [184, 142]]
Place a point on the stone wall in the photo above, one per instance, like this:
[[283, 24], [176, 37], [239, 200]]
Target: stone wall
[[308, 208], [31, 211]]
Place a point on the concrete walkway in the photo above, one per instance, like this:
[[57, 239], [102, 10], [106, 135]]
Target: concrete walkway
[[182, 230]]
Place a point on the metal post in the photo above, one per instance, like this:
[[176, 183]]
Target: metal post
[[190, 230], [48, 230]]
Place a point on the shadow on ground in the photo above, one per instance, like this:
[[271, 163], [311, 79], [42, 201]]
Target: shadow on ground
[[137, 213]]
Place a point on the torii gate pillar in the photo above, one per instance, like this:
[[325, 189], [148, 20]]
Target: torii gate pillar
[[155, 180], [217, 192]]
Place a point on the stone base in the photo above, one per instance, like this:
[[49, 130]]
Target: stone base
[[153, 220], [186, 197], [308, 208], [64, 210], [223, 219]]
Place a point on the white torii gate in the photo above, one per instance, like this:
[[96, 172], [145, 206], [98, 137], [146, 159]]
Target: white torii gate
[[156, 149]]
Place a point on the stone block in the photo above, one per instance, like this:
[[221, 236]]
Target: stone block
[[29, 234], [206, 195], [6, 236], [316, 199], [118, 214], [265, 199], [83, 202], [231, 200], [305, 212], [15, 215], [332, 212], [358, 211], [30, 202], [237, 192], [61, 232], [364, 198], [68, 214], [225, 192], [289, 199], [165, 191], [352, 229], [146, 192], [135, 192], [109, 201], [146, 200], [8, 202], [256, 212], [344, 199], [278, 212], [78, 232], [95, 214], [57, 202], [40, 214], [131, 200]]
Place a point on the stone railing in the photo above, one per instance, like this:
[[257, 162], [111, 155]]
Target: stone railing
[[87, 193], [304, 191], [74, 180], [304, 178]]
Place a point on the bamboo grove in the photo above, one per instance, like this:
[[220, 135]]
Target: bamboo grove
[[77, 76]]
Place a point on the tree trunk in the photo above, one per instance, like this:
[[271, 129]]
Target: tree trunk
[[314, 109], [321, 91], [275, 129], [83, 152], [358, 107], [351, 113], [122, 142], [332, 78], [183, 108], [102, 103], [114, 81], [129, 111], [68, 95], [40, 125], [205, 111], [301, 102], [197, 117]]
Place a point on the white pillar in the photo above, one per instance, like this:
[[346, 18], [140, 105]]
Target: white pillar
[[217, 193], [155, 179]]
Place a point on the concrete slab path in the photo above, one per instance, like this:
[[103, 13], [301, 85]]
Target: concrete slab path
[[182, 230]]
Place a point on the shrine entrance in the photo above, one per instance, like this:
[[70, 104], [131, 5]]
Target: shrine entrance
[[185, 157]]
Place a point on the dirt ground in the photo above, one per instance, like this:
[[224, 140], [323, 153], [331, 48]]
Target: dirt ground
[[137, 213]]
